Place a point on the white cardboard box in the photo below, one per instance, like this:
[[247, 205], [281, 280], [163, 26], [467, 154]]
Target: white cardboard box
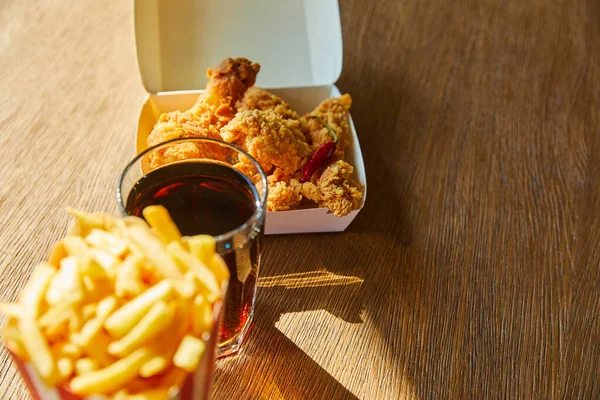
[[298, 44]]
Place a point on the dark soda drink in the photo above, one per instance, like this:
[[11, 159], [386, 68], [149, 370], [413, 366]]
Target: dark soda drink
[[210, 198]]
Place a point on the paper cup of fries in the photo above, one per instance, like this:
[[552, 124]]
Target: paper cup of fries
[[121, 310]]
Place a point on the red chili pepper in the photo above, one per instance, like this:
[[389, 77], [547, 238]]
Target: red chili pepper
[[320, 156]]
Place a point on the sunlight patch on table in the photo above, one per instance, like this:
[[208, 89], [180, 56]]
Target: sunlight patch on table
[[307, 279], [354, 354]]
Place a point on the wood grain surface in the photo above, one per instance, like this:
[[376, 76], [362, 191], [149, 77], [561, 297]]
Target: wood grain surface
[[473, 270]]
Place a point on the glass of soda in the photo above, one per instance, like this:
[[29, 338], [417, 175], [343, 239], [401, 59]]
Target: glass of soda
[[209, 187]]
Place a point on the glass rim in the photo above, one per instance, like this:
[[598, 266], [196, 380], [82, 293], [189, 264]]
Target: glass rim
[[262, 194]]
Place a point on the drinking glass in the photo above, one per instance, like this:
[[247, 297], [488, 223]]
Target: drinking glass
[[209, 187]]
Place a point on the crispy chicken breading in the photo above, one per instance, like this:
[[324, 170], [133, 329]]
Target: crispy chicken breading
[[259, 99], [271, 131], [175, 125], [213, 110], [226, 86], [334, 112], [284, 196], [273, 141], [335, 189]]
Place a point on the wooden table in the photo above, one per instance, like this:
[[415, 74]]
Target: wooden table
[[472, 271]]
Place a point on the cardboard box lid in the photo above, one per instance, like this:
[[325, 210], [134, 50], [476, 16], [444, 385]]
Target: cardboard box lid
[[297, 42]]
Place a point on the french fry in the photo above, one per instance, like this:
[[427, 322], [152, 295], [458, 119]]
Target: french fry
[[219, 268], [88, 311], [98, 349], [90, 221], [34, 291], [65, 368], [54, 291], [111, 244], [75, 320], [158, 218], [93, 327], [202, 246], [128, 280], [201, 316], [158, 318], [189, 353], [14, 341], [154, 366], [11, 310], [66, 349], [185, 288], [76, 246], [122, 394], [132, 220], [57, 253], [55, 316], [86, 365], [112, 377], [153, 249], [105, 260], [125, 318], [88, 332], [106, 306], [186, 260], [38, 350], [165, 349], [92, 269], [72, 282], [57, 332]]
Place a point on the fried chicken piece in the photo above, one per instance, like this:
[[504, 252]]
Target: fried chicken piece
[[213, 110], [175, 125], [284, 196], [335, 189], [259, 99], [226, 87], [334, 112], [273, 141], [171, 153]]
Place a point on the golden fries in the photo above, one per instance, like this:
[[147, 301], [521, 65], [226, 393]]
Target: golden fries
[[66, 349], [34, 291], [128, 280], [120, 309], [39, 352], [189, 353], [158, 318], [65, 368], [201, 316], [111, 378], [126, 317], [186, 260], [158, 218], [86, 365], [153, 249], [202, 246], [11, 310]]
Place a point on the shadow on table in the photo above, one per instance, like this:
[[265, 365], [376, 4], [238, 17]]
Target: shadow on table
[[271, 365]]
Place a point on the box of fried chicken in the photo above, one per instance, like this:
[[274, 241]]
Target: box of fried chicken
[[260, 75]]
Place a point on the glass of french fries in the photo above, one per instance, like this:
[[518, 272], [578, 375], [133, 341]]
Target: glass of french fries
[[120, 310]]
